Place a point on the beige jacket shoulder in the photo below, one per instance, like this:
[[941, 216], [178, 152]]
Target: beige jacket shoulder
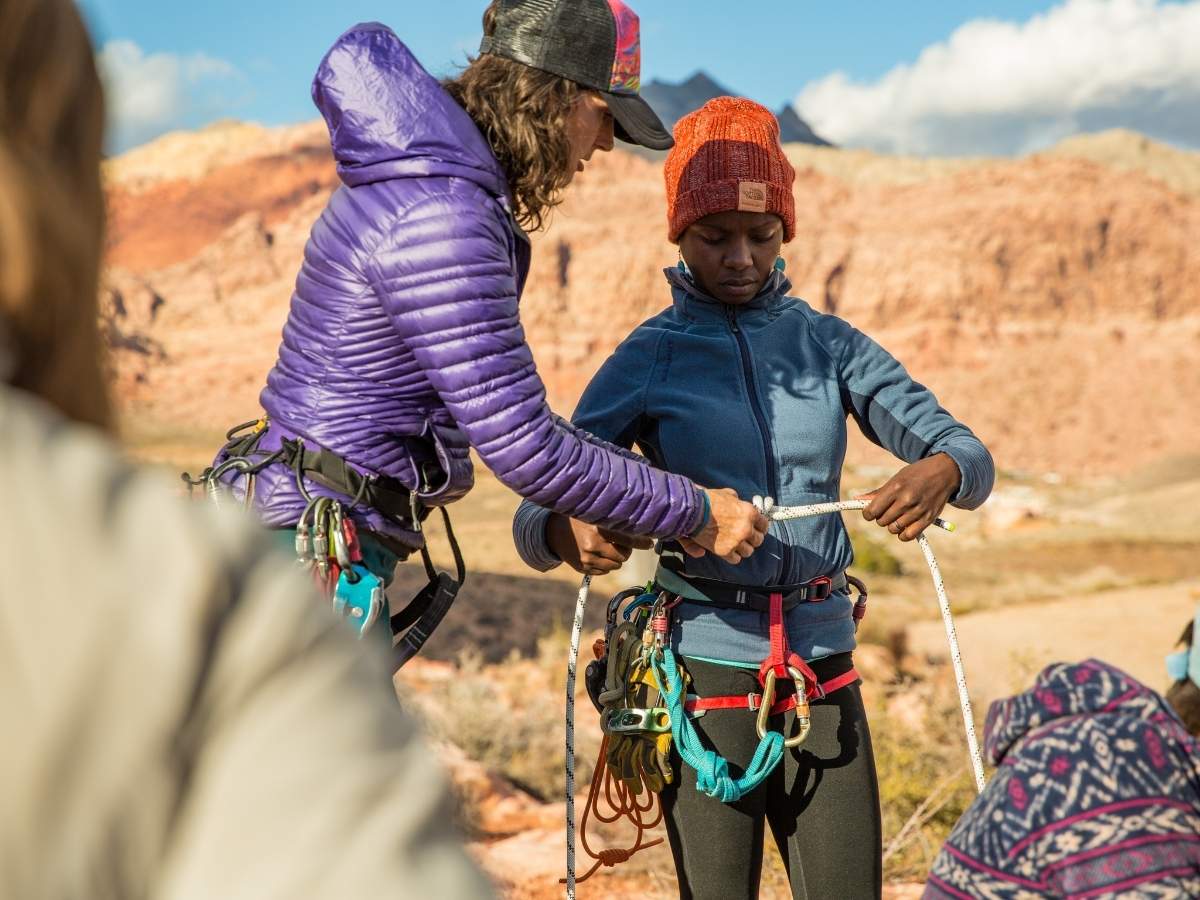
[[179, 720]]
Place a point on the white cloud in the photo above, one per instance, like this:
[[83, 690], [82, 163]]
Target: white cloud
[[149, 94], [1000, 87]]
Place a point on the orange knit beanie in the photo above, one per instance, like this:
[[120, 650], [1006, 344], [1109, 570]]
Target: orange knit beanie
[[727, 156]]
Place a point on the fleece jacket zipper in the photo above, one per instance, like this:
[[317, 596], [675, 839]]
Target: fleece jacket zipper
[[764, 430]]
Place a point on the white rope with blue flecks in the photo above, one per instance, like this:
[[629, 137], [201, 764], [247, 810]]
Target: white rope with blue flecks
[[777, 513]]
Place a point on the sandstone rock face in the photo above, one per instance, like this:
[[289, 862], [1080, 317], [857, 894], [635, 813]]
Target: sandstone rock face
[[1051, 302]]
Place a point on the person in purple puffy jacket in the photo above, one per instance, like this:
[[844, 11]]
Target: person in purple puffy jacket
[[403, 347]]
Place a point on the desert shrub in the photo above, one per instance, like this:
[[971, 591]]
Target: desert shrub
[[925, 782], [509, 717]]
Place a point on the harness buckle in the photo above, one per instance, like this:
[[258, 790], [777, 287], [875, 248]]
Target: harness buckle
[[819, 589]]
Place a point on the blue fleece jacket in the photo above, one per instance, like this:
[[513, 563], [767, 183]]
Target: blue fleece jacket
[[756, 398]]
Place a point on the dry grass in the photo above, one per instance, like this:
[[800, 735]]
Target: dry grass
[[510, 716], [924, 776]]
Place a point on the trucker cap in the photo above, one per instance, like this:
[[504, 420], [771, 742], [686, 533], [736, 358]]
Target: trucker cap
[[595, 43]]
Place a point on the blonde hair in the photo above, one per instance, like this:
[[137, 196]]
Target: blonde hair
[[523, 112], [51, 206]]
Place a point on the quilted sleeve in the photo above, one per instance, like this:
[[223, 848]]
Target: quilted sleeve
[[445, 278]]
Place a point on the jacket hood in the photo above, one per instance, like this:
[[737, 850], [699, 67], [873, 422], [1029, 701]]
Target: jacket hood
[[775, 288], [389, 118], [1064, 691]]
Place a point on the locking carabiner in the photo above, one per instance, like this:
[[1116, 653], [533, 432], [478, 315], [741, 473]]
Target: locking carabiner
[[803, 712]]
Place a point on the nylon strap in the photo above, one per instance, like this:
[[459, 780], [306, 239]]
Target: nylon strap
[[417, 621], [782, 660], [752, 701]]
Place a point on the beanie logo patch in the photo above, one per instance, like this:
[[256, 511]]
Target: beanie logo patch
[[752, 196]]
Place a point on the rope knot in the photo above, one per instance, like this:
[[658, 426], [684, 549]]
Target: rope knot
[[713, 779], [614, 856]]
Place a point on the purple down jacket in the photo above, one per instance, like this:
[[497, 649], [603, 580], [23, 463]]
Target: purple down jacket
[[403, 343]]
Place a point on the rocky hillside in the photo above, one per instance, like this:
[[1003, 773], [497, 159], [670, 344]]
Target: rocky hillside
[[1051, 301]]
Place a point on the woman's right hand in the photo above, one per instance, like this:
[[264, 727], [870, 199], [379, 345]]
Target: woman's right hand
[[735, 529], [590, 550]]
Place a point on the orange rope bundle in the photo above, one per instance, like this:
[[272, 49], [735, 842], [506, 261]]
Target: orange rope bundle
[[623, 804]]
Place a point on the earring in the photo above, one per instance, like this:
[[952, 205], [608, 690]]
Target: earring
[[682, 266], [780, 264]]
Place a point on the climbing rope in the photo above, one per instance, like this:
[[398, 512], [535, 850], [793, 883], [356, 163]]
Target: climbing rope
[[779, 513], [623, 804], [960, 676], [572, 662], [672, 683]]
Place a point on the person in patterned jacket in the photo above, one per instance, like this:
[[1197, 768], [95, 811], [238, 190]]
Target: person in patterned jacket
[[1096, 795]]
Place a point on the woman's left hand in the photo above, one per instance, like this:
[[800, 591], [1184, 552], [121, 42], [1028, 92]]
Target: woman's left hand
[[912, 498]]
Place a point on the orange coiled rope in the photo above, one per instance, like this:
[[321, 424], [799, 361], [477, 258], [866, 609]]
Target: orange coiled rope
[[623, 805]]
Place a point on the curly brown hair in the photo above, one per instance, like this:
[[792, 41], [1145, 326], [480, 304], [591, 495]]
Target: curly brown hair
[[51, 206], [523, 113]]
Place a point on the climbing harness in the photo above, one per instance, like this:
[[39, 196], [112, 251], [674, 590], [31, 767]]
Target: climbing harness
[[327, 543], [639, 687], [640, 641]]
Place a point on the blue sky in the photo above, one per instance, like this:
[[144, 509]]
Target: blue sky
[[864, 71]]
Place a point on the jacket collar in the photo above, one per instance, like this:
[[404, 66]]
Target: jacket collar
[[696, 304]]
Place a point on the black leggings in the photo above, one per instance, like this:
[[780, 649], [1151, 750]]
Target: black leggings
[[822, 801]]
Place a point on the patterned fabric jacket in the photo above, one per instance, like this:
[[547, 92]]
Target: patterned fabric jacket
[[403, 345], [1097, 795]]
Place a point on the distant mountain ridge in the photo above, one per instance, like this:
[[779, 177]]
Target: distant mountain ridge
[[674, 101]]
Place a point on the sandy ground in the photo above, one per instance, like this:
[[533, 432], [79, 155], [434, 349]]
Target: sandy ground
[[1002, 648]]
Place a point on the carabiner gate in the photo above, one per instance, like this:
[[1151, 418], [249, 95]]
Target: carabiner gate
[[803, 713]]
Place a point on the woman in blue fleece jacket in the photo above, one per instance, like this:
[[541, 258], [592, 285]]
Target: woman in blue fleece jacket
[[738, 383]]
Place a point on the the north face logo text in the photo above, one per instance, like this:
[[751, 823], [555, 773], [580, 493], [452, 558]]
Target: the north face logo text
[[752, 196]]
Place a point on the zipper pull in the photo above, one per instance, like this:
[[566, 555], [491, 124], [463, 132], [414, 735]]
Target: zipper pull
[[731, 315]]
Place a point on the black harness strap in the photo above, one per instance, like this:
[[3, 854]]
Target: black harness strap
[[383, 494], [726, 595], [416, 622], [387, 496]]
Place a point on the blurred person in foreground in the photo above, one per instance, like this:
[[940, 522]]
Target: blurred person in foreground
[[176, 724], [1097, 793]]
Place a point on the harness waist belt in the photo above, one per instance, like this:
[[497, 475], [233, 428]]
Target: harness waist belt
[[382, 493], [724, 595]]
